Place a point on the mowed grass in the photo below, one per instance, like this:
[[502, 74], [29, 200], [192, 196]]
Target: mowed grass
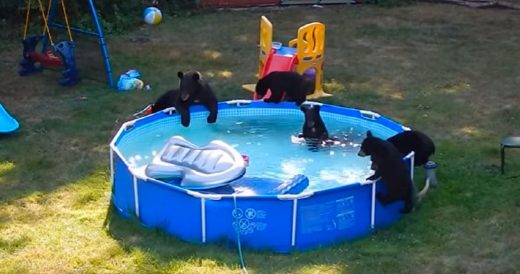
[[450, 71]]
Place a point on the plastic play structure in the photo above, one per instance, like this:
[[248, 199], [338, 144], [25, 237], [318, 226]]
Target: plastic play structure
[[304, 54], [7, 123], [60, 54]]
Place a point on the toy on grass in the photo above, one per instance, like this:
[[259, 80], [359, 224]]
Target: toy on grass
[[152, 16], [7, 123], [304, 54], [130, 80]]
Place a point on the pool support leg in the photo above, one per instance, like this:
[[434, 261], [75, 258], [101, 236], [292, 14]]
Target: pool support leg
[[430, 168]]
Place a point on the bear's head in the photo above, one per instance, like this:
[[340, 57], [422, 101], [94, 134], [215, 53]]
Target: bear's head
[[371, 145], [190, 85], [261, 88], [313, 127]]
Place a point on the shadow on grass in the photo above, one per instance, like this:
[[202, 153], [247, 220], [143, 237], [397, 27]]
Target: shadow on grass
[[42, 166], [165, 250]]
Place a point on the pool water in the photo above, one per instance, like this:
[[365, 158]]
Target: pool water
[[267, 140]]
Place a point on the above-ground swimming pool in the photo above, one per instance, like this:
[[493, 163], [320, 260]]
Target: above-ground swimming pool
[[291, 197]]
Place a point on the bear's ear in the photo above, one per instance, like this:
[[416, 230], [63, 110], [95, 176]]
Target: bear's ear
[[369, 134], [196, 76], [180, 74]]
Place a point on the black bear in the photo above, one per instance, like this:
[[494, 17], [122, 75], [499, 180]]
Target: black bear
[[313, 130], [388, 163], [292, 85], [417, 141], [192, 90], [166, 100], [313, 127]]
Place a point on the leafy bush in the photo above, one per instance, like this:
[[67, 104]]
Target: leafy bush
[[7, 7], [115, 15]]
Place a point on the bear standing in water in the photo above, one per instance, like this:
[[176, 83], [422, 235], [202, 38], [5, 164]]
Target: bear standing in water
[[313, 127], [314, 131]]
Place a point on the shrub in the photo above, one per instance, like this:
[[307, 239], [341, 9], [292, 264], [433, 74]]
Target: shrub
[[115, 15]]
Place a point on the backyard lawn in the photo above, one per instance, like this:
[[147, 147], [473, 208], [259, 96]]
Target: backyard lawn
[[450, 71]]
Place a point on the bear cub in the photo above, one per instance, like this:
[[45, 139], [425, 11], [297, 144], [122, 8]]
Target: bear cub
[[192, 90], [413, 140], [388, 163], [313, 130], [292, 85]]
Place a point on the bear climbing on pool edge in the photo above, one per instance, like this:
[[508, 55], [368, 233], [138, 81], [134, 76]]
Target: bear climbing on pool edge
[[387, 161], [192, 90]]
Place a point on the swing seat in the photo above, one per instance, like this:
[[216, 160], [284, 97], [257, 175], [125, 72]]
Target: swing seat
[[47, 59], [34, 61], [65, 50]]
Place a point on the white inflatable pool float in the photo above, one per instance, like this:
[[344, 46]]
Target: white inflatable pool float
[[209, 166]]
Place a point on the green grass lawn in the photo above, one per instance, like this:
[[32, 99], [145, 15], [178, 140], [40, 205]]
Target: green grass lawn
[[450, 71]]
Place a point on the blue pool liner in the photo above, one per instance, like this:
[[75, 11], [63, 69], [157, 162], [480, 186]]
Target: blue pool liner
[[276, 215]]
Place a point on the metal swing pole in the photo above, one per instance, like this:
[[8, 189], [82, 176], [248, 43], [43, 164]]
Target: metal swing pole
[[102, 43]]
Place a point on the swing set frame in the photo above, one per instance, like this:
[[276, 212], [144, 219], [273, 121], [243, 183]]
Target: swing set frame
[[46, 57]]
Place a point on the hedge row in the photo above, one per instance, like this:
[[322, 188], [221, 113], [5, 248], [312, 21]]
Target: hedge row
[[115, 14], [119, 15]]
